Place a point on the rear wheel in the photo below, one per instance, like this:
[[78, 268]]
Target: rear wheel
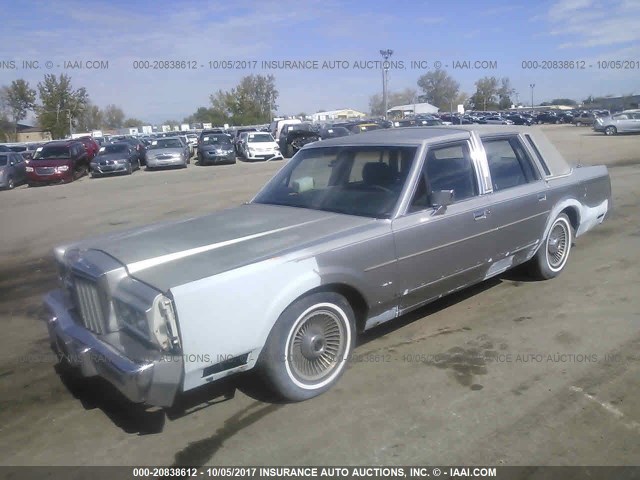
[[610, 130], [578, 124], [308, 347], [553, 254], [10, 184]]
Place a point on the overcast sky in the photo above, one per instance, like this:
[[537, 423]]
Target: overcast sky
[[506, 32]]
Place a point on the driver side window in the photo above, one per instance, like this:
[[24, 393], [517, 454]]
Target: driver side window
[[446, 167]]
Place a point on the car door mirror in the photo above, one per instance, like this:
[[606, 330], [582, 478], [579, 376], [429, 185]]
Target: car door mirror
[[440, 200]]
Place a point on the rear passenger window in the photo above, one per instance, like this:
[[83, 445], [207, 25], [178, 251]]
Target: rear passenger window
[[509, 164]]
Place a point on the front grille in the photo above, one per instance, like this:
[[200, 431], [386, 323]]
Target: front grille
[[45, 170], [89, 304]]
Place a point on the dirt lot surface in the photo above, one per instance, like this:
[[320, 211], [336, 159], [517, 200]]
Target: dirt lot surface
[[533, 373]]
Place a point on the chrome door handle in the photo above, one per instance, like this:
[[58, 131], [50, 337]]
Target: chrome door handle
[[542, 197]]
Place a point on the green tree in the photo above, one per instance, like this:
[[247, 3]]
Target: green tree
[[403, 97], [504, 94], [20, 99], [60, 104], [92, 118], [5, 129], [486, 94], [252, 101], [113, 117], [563, 101], [439, 88], [132, 123]]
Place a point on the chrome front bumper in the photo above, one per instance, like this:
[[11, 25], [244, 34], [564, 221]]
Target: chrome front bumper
[[154, 380]]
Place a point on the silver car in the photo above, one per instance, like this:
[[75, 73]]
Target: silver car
[[167, 152], [12, 170], [624, 122], [351, 233]]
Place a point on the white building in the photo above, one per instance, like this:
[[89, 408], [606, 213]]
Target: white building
[[412, 108], [343, 114]]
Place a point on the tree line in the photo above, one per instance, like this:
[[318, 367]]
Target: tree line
[[58, 107]]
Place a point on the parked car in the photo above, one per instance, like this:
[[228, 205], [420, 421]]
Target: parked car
[[497, 120], [90, 145], [584, 119], [260, 146], [59, 161], [294, 136], [167, 152], [547, 117], [216, 148], [188, 147], [115, 158], [4, 148], [235, 139], [353, 232], [278, 126], [140, 147], [333, 132], [624, 122], [12, 170], [364, 127], [519, 120]]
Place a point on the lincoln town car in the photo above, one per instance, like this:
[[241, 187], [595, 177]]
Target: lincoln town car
[[352, 232]]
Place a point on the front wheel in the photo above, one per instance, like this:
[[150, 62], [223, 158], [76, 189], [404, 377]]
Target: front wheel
[[308, 347], [578, 124], [10, 184], [610, 130], [553, 254]]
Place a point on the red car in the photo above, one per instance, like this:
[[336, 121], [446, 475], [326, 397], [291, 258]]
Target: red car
[[91, 145], [58, 162]]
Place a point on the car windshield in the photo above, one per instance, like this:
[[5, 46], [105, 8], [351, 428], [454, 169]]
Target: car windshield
[[3, 160], [221, 139], [363, 181], [259, 137], [52, 152], [114, 149], [165, 143]]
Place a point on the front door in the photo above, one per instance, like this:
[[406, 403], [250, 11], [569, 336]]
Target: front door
[[441, 251]]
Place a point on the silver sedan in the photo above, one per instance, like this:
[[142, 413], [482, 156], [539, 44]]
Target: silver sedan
[[166, 152]]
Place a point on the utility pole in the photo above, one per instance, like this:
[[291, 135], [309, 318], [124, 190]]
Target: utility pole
[[532, 85], [385, 78]]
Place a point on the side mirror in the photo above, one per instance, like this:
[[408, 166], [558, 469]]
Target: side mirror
[[440, 200]]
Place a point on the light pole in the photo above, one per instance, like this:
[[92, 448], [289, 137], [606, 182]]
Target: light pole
[[532, 85], [385, 78]]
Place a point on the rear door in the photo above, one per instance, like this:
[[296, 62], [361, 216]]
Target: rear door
[[440, 253], [518, 205]]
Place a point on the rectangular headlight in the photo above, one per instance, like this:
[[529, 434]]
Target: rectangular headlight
[[132, 319]]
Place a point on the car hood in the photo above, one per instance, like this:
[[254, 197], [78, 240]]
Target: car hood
[[169, 254], [50, 162], [111, 156], [164, 151]]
